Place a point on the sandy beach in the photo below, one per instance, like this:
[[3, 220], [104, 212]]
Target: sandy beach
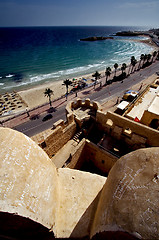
[[34, 96]]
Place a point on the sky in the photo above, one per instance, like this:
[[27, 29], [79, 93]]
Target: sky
[[79, 13]]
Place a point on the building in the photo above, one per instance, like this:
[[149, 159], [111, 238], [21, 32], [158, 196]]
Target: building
[[93, 176]]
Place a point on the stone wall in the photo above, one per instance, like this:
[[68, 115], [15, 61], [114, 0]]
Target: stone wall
[[88, 152], [59, 137], [148, 117], [101, 159], [77, 156], [134, 134], [79, 103]]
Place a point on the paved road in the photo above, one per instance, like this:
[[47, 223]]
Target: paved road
[[33, 127]]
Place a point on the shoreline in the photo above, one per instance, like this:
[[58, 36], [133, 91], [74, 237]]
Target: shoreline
[[34, 95]]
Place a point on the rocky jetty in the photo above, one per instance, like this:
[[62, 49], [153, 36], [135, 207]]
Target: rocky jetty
[[95, 38]]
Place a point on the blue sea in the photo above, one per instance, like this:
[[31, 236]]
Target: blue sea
[[31, 56]]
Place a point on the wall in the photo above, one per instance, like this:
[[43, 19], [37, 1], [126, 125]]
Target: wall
[[148, 117], [133, 133], [76, 156], [59, 137], [103, 160], [89, 152]]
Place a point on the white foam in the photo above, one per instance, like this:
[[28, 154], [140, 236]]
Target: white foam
[[9, 75], [1, 84]]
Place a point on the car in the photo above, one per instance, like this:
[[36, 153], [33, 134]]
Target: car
[[130, 95], [47, 117]]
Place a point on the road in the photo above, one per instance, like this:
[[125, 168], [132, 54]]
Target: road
[[33, 127]]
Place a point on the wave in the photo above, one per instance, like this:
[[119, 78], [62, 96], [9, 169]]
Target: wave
[[67, 72], [117, 51], [9, 75]]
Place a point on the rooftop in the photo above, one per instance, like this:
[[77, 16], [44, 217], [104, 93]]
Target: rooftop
[[148, 101]]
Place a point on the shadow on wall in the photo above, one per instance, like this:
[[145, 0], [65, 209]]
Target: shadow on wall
[[15, 227]]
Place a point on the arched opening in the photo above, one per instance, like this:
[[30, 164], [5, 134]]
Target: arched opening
[[154, 124]]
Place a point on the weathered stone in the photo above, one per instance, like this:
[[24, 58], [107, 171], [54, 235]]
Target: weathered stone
[[130, 198], [28, 185]]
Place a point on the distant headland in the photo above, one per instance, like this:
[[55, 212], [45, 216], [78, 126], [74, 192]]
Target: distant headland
[[95, 38], [152, 33]]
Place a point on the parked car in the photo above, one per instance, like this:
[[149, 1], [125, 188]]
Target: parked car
[[130, 95], [47, 117]]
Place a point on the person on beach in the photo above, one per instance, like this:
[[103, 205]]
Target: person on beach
[[117, 101], [27, 113], [140, 86]]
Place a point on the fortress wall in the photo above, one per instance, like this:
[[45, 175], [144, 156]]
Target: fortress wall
[[101, 159], [58, 138], [79, 103], [131, 132], [148, 117], [77, 156], [79, 196]]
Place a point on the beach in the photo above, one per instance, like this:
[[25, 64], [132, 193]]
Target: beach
[[35, 95]]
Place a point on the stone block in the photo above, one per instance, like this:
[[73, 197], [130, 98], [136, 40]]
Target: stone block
[[87, 102], [116, 132], [138, 139]]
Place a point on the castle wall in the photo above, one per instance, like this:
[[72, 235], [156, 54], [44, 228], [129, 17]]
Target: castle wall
[[133, 133], [59, 137], [103, 160], [78, 156], [148, 117]]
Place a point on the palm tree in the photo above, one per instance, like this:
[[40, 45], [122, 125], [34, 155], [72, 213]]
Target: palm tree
[[154, 55], [145, 58], [115, 66], [141, 59], [123, 67], [107, 73], [97, 76], [48, 92], [67, 83], [148, 57], [133, 63]]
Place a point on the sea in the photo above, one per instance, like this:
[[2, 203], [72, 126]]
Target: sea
[[30, 56]]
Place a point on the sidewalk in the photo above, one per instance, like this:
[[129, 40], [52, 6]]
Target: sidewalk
[[23, 117], [108, 105]]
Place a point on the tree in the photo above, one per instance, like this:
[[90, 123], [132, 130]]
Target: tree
[[67, 83], [115, 66], [154, 55], [107, 73], [97, 76], [133, 63], [48, 92], [148, 57], [141, 59], [123, 67], [145, 58]]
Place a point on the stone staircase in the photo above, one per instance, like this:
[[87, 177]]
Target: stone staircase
[[77, 137]]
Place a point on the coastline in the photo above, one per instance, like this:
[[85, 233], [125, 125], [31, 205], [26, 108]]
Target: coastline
[[34, 96]]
